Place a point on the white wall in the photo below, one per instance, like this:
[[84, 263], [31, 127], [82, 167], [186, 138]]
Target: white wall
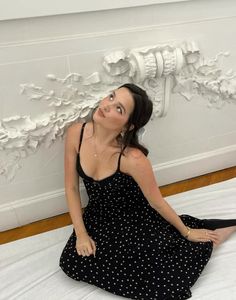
[[28, 9], [191, 140]]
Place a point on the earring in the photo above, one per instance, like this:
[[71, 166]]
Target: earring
[[122, 134]]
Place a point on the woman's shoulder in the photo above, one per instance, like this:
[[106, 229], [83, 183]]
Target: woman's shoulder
[[73, 133], [134, 157], [132, 153], [136, 163], [75, 128]]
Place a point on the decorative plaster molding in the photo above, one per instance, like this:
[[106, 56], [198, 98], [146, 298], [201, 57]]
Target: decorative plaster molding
[[204, 77], [159, 69]]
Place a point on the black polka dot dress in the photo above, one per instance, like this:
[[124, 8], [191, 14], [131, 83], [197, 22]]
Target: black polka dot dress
[[139, 254]]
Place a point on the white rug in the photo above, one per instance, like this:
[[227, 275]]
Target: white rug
[[29, 267]]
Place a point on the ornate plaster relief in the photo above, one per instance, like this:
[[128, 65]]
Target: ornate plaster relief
[[160, 69]]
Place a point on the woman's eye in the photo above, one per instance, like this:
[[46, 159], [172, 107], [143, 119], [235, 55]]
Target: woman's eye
[[111, 97], [119, 109]]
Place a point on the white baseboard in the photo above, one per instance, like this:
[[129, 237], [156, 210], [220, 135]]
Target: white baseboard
[[46, 205], [195, 165], [28, 210]]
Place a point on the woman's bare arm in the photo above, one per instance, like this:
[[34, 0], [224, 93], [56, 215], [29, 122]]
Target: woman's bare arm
[[139, 167], [71, 178]]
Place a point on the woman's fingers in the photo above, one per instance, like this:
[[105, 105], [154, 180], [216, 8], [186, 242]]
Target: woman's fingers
[[203, 235], [90, 249], [93, 247], [211, 235], [213, 239], [83, 252], [86, 249]]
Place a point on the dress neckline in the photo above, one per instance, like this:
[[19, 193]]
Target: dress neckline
[[90, 177], [98, 180]]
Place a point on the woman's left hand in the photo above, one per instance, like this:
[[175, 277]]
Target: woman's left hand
[[202, 235]]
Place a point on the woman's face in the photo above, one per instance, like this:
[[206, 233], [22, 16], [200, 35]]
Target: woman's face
[[113, 111]]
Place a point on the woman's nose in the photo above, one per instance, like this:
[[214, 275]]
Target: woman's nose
[[107, 108]]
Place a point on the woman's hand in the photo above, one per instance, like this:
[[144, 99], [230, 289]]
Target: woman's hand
[[85, 245], [202, 235]]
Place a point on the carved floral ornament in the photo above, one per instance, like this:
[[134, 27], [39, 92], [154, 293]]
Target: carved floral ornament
[[159, 69]]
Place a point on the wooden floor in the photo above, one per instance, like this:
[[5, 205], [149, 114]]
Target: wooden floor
[[64, 219]]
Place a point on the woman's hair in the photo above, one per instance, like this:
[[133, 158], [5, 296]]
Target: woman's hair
[[141, 114], [138, 118]]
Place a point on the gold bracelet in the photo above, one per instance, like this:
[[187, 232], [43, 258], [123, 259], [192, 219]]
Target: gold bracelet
[[189, 230]]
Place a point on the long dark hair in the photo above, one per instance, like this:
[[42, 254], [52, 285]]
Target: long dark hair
[[141, 114]]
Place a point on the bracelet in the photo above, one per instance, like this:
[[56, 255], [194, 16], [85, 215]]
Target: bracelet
[[188, 232]]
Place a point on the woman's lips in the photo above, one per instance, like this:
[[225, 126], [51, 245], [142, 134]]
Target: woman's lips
[[100, 112]]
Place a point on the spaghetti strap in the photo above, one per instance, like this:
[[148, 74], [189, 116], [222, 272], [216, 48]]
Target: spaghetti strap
[[118, 165], [117, 205], [81, 135]]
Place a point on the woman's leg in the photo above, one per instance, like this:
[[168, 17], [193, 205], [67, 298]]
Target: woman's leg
[[224, 234], [218, 223], [223, 227]]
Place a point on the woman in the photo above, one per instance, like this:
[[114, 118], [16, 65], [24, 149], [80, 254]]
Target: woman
[[129, 241]]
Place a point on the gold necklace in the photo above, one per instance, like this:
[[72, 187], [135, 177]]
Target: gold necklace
[[97, 154]]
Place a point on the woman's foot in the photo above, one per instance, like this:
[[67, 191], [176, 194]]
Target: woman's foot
[[223, 234]]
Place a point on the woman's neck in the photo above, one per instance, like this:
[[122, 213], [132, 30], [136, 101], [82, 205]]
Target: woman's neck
[[104, 136]]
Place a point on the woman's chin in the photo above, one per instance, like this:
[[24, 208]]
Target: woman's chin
[[98, 119]]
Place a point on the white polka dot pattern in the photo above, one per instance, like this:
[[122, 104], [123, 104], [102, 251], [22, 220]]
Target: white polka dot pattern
[[139, 254]]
